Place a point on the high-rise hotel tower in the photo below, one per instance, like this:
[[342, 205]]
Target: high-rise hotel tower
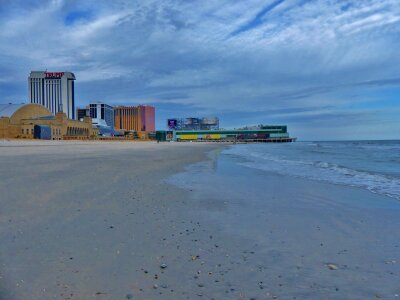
[[137, 118], [54, 90]]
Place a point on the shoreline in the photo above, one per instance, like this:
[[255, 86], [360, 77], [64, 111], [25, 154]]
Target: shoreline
[[303, 239]]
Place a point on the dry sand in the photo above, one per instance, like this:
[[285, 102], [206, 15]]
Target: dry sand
[[94, 220]]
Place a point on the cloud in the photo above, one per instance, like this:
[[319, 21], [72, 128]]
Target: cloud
[[253, 57]]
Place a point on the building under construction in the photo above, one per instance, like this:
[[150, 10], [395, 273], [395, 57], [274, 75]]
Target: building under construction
[[208, 123]]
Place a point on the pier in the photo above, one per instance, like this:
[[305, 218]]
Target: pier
[[242, 141]]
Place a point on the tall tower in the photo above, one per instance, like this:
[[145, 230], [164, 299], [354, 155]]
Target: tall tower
[[54, 90]]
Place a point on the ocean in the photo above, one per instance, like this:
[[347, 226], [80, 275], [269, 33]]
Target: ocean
[[252, 177], [371, 165], [247, 179]]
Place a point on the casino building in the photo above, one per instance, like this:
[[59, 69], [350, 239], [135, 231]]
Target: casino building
[[53, 90], [19, 121], [207, 130], [135, 118], [102, 114]]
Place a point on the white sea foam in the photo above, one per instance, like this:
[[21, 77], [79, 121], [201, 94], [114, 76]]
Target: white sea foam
[[347, 166]]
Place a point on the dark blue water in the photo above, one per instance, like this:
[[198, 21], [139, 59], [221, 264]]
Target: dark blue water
[[372, 165]]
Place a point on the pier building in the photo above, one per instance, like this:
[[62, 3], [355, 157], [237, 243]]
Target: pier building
[[269, 133]]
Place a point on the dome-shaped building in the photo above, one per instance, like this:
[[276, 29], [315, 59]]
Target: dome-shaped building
[[19, 120]]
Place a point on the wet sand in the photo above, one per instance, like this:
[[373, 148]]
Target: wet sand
[[112, 221], [293, 238]]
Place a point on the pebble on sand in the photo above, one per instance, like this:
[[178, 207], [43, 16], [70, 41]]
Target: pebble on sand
[[163, 266], [332, 266]]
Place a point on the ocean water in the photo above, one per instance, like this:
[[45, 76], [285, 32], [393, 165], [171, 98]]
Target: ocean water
[[371, 165]]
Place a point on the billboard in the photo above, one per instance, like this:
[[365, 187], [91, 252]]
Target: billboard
[[172, 123], [210, 121]]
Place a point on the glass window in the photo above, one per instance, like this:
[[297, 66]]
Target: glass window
[[93, 113]]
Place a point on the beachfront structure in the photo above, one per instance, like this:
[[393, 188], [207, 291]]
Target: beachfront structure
[[102, 114], [53, 90], [82, 112], [209, 123], [19, 121], [272, 133], [135, 118]]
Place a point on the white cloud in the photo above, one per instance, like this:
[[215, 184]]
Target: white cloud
[[300, 53], [82, 32]]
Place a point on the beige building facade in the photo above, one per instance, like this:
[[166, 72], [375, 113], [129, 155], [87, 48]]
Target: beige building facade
[[19, 120]]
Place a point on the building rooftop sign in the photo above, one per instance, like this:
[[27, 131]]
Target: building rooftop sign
[[54, 74]]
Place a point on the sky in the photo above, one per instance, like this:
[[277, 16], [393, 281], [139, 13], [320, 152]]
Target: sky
[[329, 69]]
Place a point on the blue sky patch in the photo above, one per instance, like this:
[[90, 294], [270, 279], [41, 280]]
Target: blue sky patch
[[77, 16], [258, 19]]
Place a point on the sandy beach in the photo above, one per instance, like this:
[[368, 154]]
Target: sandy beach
[[83, 220], [93, 220]]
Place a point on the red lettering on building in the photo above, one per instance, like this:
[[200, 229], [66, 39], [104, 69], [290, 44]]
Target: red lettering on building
[[54, 74]]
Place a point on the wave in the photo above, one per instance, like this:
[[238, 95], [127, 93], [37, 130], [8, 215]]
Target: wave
[[320, 171], [371, 145]]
